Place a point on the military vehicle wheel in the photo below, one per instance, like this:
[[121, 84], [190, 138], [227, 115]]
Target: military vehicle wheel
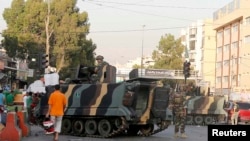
[[208, 120], [78, 127], [90, 127], [66, 125], [147, 129], [189, 120], [198, 120], [117, 123], [104, 127]]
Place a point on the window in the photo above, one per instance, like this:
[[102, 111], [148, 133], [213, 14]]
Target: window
[[219, 49], [248, 20], [219, 35], [235, 45], [235, 61], [192, 36], [218, 79], [226, 63], [218, 65], [193, 31], [235, 28], [247, 39], [225, 79], [227, 31], [192, 45], [239, 77], [226, 48]]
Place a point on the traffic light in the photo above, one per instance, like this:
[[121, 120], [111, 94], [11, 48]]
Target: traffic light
[[44, 61], [186, 69]]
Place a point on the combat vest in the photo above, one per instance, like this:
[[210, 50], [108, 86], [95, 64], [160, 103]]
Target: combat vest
[[178, 100]]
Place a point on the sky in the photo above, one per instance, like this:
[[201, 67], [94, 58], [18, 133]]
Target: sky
[[124, 30]]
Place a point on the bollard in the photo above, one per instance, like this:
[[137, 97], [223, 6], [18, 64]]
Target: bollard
[[11, 132], [23, 125]]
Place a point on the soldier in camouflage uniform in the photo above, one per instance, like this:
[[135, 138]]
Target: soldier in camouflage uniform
[[100, 64], [179, 103]]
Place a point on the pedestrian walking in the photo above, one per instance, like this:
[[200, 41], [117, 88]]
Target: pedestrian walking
[[235, 114], [57, 103]]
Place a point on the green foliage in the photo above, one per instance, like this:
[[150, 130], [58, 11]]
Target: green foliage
[[169, 53], [136, 66], [68, 28]]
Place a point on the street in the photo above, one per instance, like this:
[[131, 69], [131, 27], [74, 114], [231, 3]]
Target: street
[[193, 132]]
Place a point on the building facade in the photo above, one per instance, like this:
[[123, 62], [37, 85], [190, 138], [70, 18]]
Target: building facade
[[199, 40], [232, 26]]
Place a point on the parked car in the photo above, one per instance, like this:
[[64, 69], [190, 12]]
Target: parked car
[[244, 111]]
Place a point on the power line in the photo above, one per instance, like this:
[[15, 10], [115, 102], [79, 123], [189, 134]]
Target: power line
[[139, 12], [159, 6], [114, 31]]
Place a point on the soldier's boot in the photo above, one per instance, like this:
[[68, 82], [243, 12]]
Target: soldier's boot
[[183, 135], [176, 135]]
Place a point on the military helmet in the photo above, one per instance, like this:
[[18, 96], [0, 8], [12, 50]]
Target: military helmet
[[99, 57]]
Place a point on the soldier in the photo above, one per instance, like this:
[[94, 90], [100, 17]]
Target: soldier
[[100, 64], [179, 104]]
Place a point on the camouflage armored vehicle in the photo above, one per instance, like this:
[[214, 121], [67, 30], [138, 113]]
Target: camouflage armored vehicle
[[204, 110], [133, 107]]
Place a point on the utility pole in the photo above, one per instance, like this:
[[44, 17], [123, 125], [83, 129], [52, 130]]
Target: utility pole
[[142, 48], [47, 29]]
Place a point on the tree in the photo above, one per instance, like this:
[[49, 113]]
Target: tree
[[169, 53], [54, 27]]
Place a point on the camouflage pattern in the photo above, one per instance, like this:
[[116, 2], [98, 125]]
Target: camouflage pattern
[[101, 69], [179, 110], [205, 109], [142, 104]]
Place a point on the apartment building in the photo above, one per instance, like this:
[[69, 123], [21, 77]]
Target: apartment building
[[199, 40], [232, 26]]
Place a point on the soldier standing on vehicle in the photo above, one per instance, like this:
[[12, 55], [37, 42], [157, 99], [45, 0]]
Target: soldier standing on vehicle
[[179, 111], [235, 114], [100, 64]]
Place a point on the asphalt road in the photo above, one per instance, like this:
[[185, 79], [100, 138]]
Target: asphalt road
[[194, 133]]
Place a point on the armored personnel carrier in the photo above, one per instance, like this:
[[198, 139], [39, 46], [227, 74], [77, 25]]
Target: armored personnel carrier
[[106, 109], [204, 108]]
